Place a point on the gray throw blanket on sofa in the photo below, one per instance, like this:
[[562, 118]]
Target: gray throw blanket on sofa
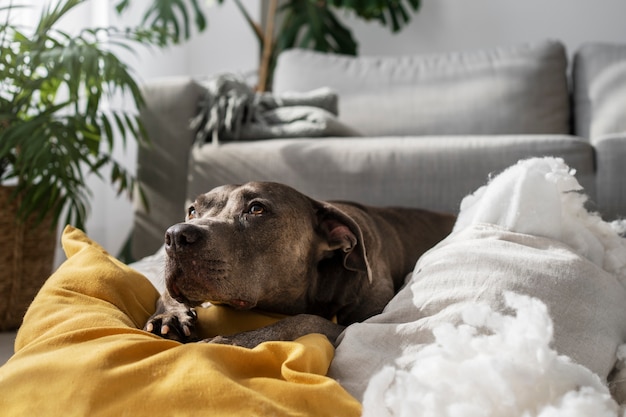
[[232, 110]]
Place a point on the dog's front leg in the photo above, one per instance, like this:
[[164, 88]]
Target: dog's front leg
[[173, 320], [287, 329]]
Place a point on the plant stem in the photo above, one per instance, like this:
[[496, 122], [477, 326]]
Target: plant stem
[[268, 46]]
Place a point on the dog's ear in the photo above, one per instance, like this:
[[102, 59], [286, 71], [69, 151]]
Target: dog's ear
[[341, 232]]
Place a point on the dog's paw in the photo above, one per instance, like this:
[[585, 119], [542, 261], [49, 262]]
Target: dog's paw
[[178, 324]]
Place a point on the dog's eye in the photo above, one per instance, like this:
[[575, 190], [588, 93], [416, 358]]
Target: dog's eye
[[256, 209], [191, 213]]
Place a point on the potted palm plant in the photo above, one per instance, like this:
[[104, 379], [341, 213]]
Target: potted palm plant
[[56, 127]]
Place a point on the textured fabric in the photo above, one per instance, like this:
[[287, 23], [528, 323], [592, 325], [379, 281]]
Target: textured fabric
[[231, 110], [479, 264], [599, 76], [572, 262], [295, 122], [513, 90], [428, 172], [80, 353]]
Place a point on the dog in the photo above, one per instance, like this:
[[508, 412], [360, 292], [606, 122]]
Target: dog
[[266, 246]]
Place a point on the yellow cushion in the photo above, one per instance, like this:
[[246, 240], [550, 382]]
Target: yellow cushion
[[80, 352]]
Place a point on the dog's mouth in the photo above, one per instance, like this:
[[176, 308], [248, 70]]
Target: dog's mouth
[[191, 281], [178, 295], [186, 286], [238, 304]]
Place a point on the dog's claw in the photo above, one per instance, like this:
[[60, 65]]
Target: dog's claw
[[175, 324]]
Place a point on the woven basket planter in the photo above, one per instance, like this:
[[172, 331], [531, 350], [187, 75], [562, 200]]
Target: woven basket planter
[[26, 260]]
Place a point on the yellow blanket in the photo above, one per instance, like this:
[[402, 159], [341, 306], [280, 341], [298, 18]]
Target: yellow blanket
[[80, 352]]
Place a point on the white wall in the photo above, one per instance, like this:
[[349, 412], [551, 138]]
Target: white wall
[[441, 25], [451, 25]]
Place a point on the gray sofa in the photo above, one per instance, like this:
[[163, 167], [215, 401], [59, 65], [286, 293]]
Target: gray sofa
[[434, 127]]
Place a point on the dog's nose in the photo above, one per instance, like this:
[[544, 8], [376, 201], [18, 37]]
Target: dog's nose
[[180, 236]]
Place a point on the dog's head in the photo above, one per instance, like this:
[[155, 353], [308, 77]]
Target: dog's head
[[264, 245]]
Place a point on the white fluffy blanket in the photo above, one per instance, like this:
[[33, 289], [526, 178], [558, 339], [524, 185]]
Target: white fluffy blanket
[[520, 312]]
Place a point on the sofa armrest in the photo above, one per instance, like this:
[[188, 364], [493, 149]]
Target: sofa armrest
[[611, 174], [599, 81], [170, 104]]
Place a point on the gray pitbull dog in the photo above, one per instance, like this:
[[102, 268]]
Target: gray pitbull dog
[[267, 246]]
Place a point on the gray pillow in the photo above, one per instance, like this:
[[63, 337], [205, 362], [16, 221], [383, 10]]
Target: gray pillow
[[513, 90]]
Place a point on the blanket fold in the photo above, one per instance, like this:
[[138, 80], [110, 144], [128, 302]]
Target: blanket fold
[[232, 110], [80, 352], [519, 312]]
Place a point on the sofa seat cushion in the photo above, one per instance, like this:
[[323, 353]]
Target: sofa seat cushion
[[430, 172], [512, 90]]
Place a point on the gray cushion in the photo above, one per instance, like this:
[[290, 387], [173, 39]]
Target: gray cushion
[[599, 74], [512, 90], [429, 172]]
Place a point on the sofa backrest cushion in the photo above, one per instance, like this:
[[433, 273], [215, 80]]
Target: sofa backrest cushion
[[599, 75], [513, 90]]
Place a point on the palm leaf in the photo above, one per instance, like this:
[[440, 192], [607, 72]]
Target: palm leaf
[[47, 145], [170, 18]]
